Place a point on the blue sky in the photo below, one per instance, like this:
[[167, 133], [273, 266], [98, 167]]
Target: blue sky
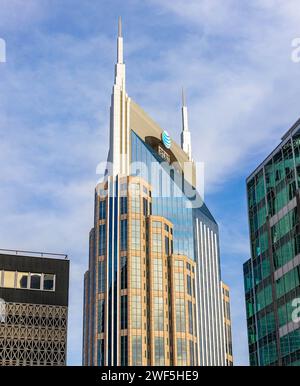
[[243, 93]]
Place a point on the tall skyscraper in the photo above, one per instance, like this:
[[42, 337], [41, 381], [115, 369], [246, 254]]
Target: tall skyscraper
[[153, 292], [272, 275], [33, 308]]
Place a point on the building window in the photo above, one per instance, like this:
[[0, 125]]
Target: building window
[[101, 352], [124, 350], [136, 350], [145, 207], [227, 310], [158, 314], [102, 239], [135, 205], [179, 263], [180, 315], [136, 234], [192, 358], [167, 248], [102, 210], [48, 282], [196, 354], [156, 224], [157, 274], [166, 227], [22, 280], [156, 242], [124, 312], [101, 313], [101, 276], [194, 287], [134, 189], [136, 311], [123, 205], [191, 324], [179, 281], [135, 272], [159, 351], [181, 352], [26, 280], [123, 187], [35, 281], [9, 279], [123, 272], [189, 285], [123, 235]]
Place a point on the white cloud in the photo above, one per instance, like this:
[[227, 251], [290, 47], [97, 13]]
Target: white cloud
[[16, 14], [53, 131], [235, 63]]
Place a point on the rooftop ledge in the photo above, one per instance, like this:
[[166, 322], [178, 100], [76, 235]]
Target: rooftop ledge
[[32, 254]]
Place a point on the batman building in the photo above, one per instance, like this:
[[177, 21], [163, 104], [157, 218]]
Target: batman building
[[153, 291]]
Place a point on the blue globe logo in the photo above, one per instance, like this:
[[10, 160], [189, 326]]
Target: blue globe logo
[[166, 139]]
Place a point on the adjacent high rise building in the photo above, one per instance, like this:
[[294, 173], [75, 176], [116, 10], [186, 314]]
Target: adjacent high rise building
[[33, 308], [272, 275], [227, 321], [153, 292]]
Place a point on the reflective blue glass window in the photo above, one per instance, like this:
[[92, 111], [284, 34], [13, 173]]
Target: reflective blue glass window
[[102, 210], [123, 235], [102, 239]]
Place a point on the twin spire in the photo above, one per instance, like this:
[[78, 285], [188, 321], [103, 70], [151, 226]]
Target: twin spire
[[120, 42], [186, 144], [120, 81], [120, 66]]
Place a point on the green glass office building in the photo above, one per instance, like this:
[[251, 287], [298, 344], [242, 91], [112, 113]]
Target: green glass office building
[[272, 275]]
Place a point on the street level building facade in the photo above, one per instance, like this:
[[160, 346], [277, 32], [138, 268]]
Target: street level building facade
[[152, 293], [272, 275], [33, 308]]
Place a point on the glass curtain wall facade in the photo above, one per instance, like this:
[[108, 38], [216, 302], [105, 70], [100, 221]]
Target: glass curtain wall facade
[[272, 275]]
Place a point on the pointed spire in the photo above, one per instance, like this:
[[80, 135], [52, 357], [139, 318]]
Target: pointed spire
[[120, 27], [119, 132], [183, 98], [120, 66], [185, 135], [185, 123], [120, 42]]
